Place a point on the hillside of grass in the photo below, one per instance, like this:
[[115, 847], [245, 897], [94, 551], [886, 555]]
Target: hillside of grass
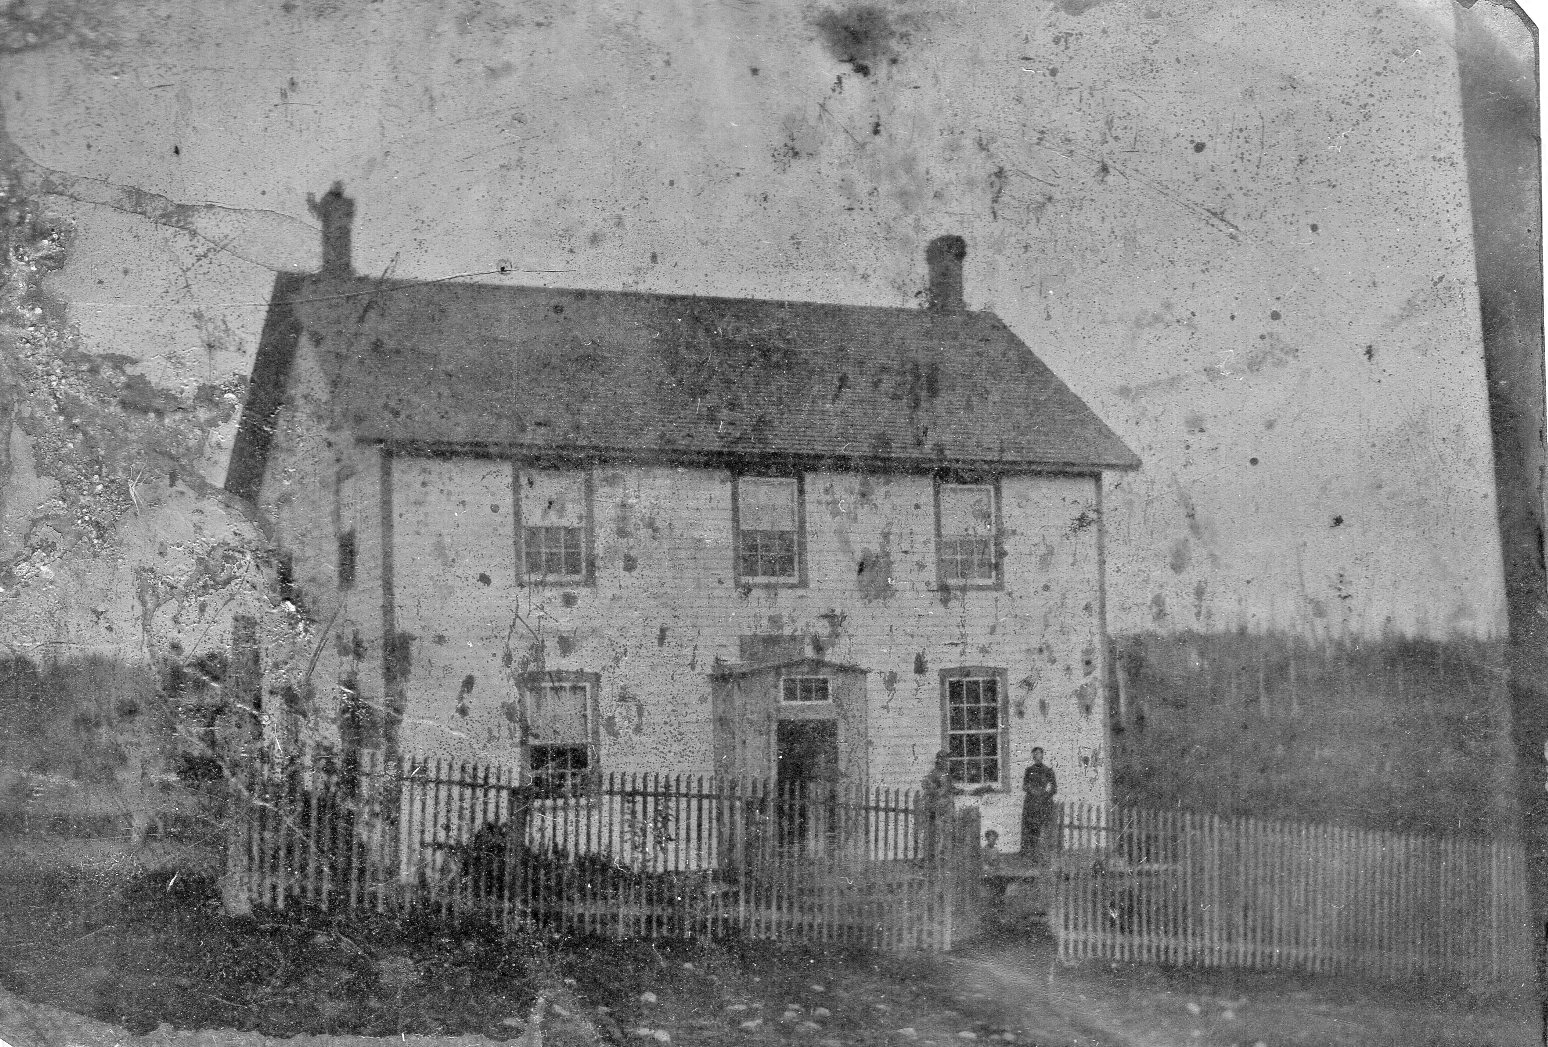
[[1401, 734]]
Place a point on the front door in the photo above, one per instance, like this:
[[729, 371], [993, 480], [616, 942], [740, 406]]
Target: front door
[[806, 759]]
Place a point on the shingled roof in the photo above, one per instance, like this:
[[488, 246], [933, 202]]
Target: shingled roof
[[662, 377]]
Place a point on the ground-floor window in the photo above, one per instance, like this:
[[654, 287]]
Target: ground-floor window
[[560, 717], [973, 724]]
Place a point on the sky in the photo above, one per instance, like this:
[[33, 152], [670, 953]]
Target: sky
[[1239, 230]]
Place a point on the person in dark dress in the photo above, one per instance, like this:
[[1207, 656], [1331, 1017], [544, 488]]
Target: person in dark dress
[[1037, 806]]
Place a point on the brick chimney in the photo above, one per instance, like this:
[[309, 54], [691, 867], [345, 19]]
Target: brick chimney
[[943, 258], [337, 214]]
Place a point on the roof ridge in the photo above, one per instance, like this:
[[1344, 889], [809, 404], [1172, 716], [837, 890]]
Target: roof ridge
[[376, 284]]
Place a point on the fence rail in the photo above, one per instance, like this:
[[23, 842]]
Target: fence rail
[[1184, 888], [629, 855]]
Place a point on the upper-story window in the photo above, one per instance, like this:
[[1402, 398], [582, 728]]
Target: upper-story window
[[967, 533], [770, 547], [555, 508], [795, 689]]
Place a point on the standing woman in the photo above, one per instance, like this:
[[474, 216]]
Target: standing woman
[[1037, 806]]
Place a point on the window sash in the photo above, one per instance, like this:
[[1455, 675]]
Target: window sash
[[806, 689], [554, 552], [974, 726], [767, 503], [559, 770], [767, 554], [559, 713], [967, 559]]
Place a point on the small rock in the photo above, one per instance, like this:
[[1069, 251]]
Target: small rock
[[1260, 1043], [689, 967], [830, 1042], [1193, 1008], [967, 1035], [794, 1007], [907, 1032], [570, 982], [1228, 1014], [604, 1009], [736, 1007], [788, 1016], [818, 988], [821, 1012], [753, 1024], [512, 1023], [661, 1036], [643, 1030], [650, 997], [810, 1025], [1008, 1037]]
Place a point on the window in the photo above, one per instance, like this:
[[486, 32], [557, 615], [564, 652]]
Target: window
[[974, 724], [806, 689], [555, 528], [769, 542], [347, 559], [967, 533], [560, 722]]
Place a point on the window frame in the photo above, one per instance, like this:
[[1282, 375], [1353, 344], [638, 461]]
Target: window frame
[[799, 580], [803, 703], [1002, 731], [996, 539], [530, 682], [588, 575]]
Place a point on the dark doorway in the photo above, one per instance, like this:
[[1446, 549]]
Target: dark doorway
[[806, 771]]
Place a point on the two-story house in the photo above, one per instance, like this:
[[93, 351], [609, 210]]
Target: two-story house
[[575, 530]]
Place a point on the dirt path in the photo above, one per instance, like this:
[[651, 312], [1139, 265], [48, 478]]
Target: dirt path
[[1139, 1007]]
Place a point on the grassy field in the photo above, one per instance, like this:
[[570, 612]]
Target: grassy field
[[1393, 734]]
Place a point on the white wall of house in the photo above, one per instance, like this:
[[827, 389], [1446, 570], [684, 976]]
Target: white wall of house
[[318, 485], [665, 603]]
